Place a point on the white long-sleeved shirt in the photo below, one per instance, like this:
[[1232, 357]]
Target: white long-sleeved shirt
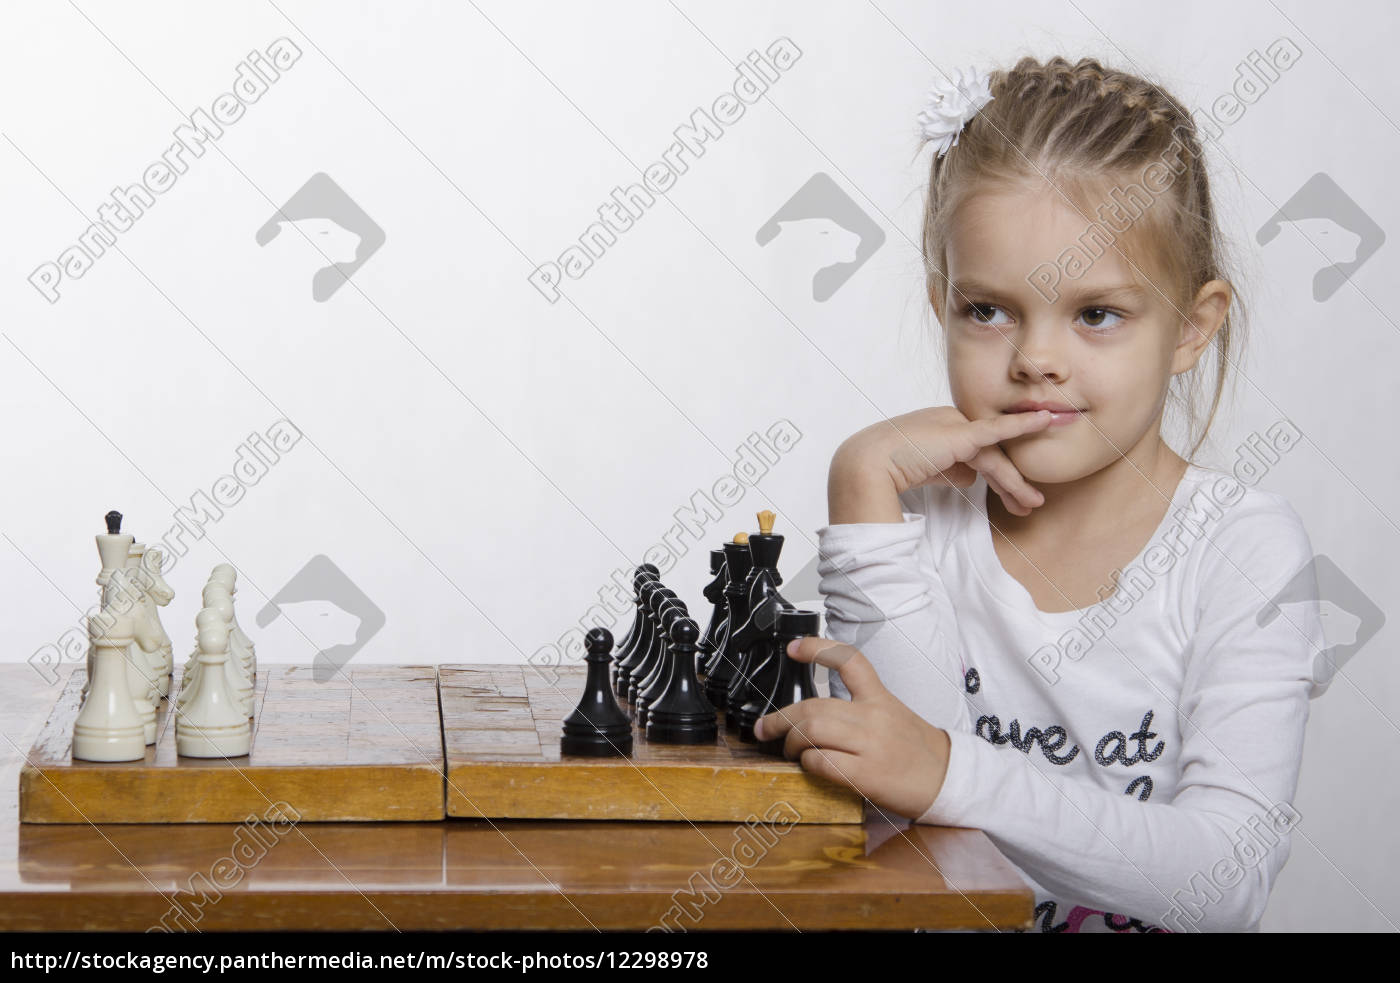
[[1137, 759]]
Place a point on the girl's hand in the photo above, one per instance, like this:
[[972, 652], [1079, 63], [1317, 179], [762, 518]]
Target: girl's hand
[[872, 743], [937, 445]]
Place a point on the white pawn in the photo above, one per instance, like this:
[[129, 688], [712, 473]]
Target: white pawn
[[107, 727], [212, 724], [239, 685], [217, 597], [225, 575], [206, 618]]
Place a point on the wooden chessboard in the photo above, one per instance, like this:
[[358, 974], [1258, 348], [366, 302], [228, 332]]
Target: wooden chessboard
[[501, 730], [367, 747]]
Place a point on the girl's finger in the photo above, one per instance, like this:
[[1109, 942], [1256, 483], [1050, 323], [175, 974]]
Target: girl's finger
[[994, 462], [1012, 504], [836, 766], [833, 729], [994, 430], [859, 676]]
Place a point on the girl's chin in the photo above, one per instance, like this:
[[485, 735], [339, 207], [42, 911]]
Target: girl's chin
[[1045, 463]]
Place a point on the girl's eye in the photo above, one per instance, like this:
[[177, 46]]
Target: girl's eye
[[1095, 319], [980, 313]]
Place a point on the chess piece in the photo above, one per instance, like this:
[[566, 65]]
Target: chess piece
[[112, 549], [212, 723], [122, 595], [714, 593], [107, 727], [237, 682], [144, 566], [794, 682], [216, 596], [655, 684], [634, 646], [653, 593], [680, 714], [226, 576], [738, 563], [597, 728], [756, 636]]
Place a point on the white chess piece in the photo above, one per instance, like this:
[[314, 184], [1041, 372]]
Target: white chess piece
[[122, 595], [107, 727], [148, 638], [204, 619], [225, 575], [147, 563], [217, 597], [112, 549], [212, 724], [238, 683]]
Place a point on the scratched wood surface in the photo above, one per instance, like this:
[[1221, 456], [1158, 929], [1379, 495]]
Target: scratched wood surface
[[366, 747], [501, 733]]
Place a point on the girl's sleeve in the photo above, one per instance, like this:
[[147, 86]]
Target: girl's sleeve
[[1206, 859], [884, 596]]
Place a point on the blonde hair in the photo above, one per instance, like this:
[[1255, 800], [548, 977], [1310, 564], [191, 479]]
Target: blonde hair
[[1085, 129]]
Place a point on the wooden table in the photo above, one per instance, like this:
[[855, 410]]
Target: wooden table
[[478, 875]]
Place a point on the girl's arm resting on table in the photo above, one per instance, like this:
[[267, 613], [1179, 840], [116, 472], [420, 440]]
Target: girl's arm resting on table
[[1196, 862]]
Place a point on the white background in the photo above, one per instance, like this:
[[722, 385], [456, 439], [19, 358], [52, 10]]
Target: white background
[[478, 460]]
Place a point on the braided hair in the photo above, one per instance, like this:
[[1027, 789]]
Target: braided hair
[[1080, 130]]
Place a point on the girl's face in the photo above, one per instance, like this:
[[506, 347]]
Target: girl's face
[[1105, 344]]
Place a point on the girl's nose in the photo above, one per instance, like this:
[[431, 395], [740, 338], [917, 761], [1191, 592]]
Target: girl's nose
[[1038, 353]]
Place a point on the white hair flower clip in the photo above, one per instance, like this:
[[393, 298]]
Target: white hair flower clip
[[951, 103]]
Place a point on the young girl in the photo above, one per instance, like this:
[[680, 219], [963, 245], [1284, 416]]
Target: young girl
[[1046, 623]]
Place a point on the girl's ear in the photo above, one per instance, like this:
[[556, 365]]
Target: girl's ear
[[1203, 320]]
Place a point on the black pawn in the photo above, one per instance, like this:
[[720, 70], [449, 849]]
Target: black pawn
[[634, 644], [114, 523], [795, 682], [670, 607], [653, 593], [597, 728], [681, 714]]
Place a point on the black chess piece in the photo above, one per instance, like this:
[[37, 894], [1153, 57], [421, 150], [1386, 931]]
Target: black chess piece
[[755, 637], [680, 714], [714, 593], [738, 562], [597, 728], [795, 681], [654, 594], [670, 606], [114, 523], [631, 650]]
